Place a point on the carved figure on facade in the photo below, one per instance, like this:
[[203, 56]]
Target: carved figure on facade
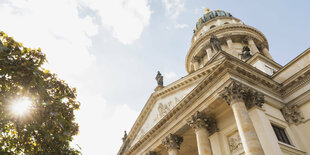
[[234, 142], [236, 91], [215, 43], [125, 136], [159, 79], [246, 54], [199, 120], [292, 114], [172, 141], [162, 110]]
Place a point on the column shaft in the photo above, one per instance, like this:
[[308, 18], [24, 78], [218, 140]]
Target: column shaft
[[252, 46], [203, 144], [209, 53], [246, 129], [173, 152], [266, 53], [196, 65]]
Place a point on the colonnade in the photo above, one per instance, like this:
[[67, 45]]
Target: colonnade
[[241, 99], [199, 62]]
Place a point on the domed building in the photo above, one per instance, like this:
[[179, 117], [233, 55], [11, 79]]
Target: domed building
[[235, 99]]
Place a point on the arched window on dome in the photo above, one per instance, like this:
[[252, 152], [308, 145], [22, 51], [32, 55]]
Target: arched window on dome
[[213, 26], [226, 23]]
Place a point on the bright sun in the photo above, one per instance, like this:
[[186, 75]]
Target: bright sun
[[21, 106]]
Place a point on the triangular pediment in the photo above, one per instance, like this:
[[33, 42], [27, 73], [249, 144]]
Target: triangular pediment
[[162, 101]]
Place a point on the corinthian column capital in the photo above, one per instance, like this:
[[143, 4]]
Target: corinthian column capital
[[172, 141], [236, 91], [198, 120], [292, 114]]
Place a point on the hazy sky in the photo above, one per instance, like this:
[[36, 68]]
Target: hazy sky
[[110, 50]]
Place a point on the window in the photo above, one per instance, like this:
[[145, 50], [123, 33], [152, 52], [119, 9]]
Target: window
[[281, 134], [226, 23]]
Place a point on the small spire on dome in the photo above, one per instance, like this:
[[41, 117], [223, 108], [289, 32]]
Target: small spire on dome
[[207, 10]]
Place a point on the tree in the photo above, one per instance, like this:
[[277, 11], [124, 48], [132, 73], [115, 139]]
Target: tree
[[48, 126]]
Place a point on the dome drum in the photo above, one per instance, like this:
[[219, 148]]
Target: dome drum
[[230, 42]]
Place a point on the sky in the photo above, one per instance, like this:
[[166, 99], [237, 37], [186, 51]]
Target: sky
[[111, 50]]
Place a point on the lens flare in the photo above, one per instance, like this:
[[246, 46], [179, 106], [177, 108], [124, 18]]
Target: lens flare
[[21, 106]]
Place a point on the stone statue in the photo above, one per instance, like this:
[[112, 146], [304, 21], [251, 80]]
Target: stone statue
[[245, 53], [159, 79], [215, 43], [125, 136]]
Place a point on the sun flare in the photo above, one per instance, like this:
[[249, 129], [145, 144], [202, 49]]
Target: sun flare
[[21, 106]]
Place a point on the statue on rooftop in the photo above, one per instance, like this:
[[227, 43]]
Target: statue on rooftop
[[215, 43], [245, 53], [125, 136], [159, 79]]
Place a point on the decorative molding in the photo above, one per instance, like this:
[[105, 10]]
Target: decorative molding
[[234, 142], [198, 120], [211, 124], [292, 114], [229, 64], [236, 91], [172, 141], [223, 30]]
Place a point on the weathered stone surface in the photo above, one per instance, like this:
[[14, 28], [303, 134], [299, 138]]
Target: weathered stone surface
[[236, 91], [292, 114], [172, 141]]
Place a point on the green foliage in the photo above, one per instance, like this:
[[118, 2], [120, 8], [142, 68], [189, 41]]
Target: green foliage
[[49, 126]]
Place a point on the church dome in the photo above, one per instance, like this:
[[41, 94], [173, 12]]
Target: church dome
[[210, 15]]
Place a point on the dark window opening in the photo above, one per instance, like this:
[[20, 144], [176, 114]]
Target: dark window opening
[[281, 134], [213, 26], [226, 23]]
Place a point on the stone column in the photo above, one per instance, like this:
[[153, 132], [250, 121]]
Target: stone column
[[209, 52], [266, 51], [172, 143], [201, 125], [229, 42], [196, 61], [239, 98], [252, 45]]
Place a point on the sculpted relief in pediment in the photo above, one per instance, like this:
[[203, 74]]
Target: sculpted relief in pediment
[[161, 108]]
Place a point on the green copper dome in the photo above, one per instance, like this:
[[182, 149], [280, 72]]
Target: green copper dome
[[210, 15]]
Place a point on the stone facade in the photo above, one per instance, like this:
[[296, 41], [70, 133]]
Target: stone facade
[[235, 99]]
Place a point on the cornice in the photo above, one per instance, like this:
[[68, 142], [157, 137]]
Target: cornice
[[266, 59], [178, 107], [224, 29], [296, 81], [228, 64], [210, 21], [291, 62], [183, 82]]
